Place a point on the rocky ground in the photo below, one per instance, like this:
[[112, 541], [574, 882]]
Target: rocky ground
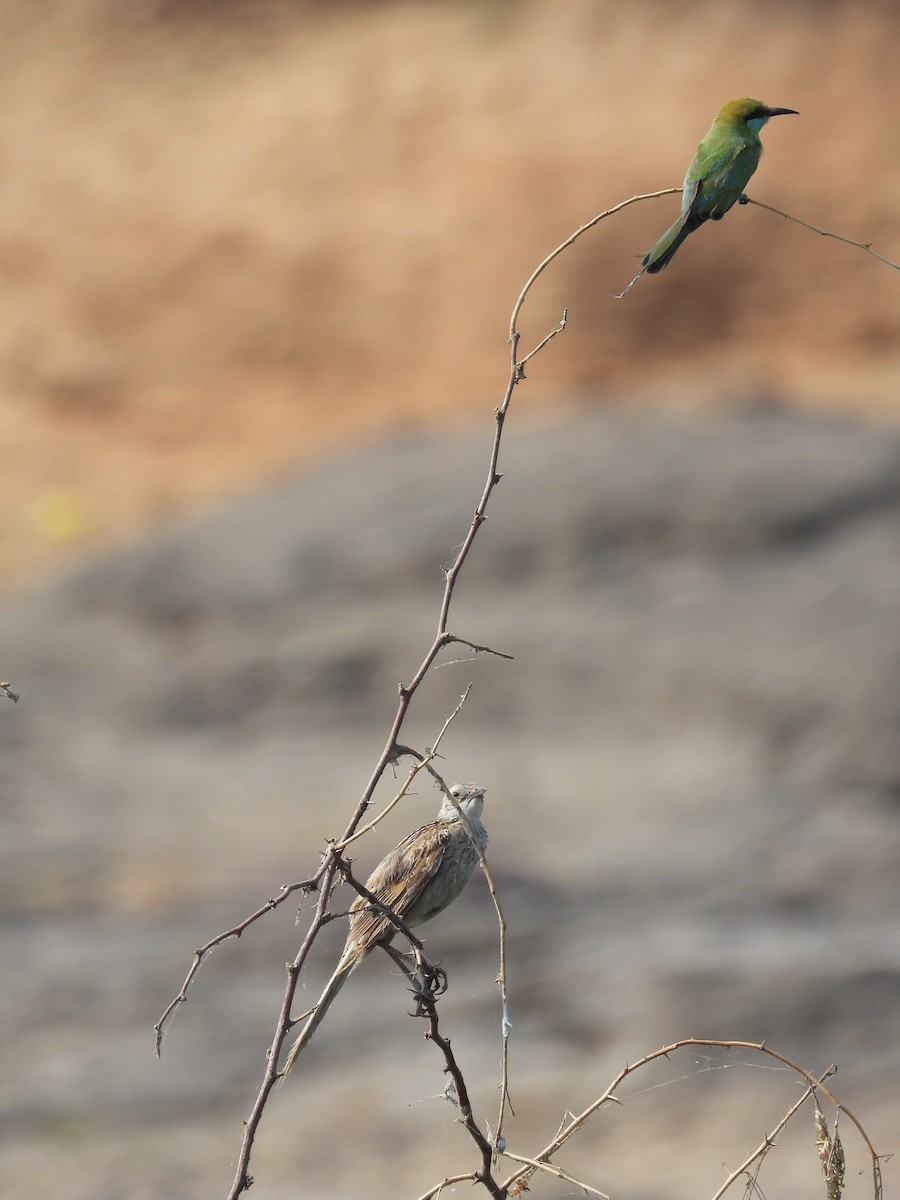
[[693, 766]]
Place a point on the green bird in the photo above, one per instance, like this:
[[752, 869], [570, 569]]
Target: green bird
[[715, 180]]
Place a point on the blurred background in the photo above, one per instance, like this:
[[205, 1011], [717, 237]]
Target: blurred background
[[257, 262]]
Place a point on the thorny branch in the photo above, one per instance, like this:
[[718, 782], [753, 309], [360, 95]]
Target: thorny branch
[[556, 1172], [162, 1025], [333, 863], [422, 762], [306, 885], [432, 1192], [517, 1182], [325, 876], [768, 1141], [426, 984]]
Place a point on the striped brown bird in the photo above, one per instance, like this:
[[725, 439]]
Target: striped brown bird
[[417, 880]]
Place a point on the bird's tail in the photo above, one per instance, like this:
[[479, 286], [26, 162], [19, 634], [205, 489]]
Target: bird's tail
[[661, 254], [332, 987]]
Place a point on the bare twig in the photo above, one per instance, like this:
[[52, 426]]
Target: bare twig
[[324, 877], [485, 1177], [422, 762], [426, 987], [242, 1177], [522, 1174], [471, 1177], [768, 1141], [838, 237], [333, 864], [541, 267], [161, 1026], [480, 649], [558, 1173], [555, 332]]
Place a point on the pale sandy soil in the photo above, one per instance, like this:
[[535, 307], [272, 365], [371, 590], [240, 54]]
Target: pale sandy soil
[[234, 235]]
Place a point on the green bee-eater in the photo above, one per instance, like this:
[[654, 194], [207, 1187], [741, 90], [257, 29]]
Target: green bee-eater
[[715, 180]]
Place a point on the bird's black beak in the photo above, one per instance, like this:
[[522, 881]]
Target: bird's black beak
[[781, 112]]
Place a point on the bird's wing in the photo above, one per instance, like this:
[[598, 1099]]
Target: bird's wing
[[399, 881], [718, 157], [722, 174], [689, 197]]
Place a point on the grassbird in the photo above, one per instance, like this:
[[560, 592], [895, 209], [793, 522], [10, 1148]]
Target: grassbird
[[715, 180], [417, 880]]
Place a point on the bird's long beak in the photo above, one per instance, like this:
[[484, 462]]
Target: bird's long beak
[[781, 112]]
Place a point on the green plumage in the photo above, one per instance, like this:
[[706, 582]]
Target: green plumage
[[715, 180]]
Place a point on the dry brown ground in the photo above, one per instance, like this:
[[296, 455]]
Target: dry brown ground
[[232, 235]]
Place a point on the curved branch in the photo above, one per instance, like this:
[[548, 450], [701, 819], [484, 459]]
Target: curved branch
[[541, 267], [609, 1097], [838, 237], [161, 1027]]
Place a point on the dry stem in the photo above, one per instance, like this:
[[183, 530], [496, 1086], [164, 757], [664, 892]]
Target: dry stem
[[333, 864]]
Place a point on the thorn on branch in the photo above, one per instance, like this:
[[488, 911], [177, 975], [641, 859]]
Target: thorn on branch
[[478, 648]]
